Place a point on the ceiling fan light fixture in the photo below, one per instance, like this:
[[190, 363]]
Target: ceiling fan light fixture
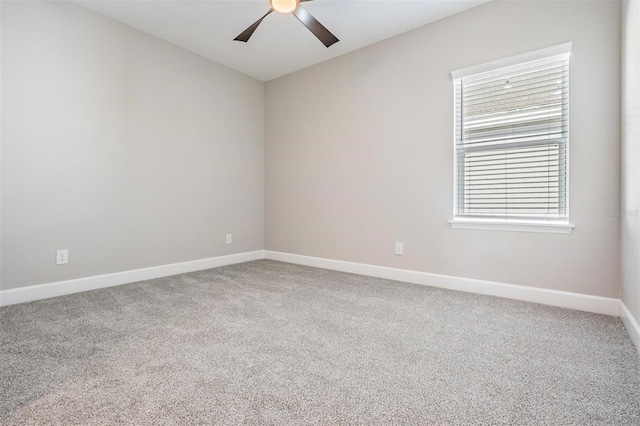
[[284, 6]]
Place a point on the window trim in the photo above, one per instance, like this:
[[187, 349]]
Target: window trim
[[550, 226], [556, 226], [560, 49]]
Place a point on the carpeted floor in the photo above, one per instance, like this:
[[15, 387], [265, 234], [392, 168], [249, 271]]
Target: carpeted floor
[[273, 343]]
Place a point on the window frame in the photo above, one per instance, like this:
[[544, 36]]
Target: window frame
[[518, 224]]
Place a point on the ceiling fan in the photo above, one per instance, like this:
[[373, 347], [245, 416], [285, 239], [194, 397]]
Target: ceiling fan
[[291, 6]]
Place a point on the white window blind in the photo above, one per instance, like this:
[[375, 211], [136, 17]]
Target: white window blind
[[512, 140]]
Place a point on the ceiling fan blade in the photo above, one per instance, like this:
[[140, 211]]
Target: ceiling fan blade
[[304, 0], [318, 30], [246, 34]]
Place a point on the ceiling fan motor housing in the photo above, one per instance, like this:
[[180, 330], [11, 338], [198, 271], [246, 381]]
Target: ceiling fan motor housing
[[284, 6]]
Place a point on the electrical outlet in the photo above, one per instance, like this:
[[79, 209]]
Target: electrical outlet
[[229, 238], [62, 257], [399, 249]]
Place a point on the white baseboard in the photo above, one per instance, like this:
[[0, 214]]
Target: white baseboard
[[583, 302], [564, 299], [60, 288], [631, 323]]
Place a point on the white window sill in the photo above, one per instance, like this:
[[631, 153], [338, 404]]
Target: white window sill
[[551, 227]]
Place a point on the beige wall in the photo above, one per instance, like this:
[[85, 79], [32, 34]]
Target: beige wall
[[125, 150], [630, 229], [131, 152], [359, 151]]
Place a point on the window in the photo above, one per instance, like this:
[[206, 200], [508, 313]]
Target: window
[[512, 142]]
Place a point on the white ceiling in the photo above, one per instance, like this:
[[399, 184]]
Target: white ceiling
[[281, 44]]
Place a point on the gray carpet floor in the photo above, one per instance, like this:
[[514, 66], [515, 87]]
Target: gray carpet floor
[[273, 343]]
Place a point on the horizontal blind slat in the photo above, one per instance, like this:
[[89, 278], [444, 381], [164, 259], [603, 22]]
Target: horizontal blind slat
[[548, 79], [511, 88]]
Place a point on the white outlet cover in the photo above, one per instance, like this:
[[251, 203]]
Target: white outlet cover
[[62, 257]]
